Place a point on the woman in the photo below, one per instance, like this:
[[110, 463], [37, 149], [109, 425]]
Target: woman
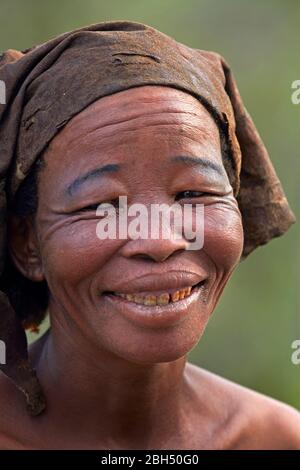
[[120, 109]]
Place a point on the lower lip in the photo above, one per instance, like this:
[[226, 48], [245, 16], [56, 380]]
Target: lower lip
[[157, 316]]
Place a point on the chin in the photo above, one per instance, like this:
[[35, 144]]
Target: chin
[[156, 345]]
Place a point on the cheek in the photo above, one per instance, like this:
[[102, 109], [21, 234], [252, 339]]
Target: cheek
[[74, 253], [223, 236]]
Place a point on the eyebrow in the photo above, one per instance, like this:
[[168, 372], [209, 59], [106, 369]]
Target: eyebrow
[[207, 164], [187, 160], [95, 173]]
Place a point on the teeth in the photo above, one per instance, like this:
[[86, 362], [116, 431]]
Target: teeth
[[150, 300], [175, 296], [138, 299], [181, 294], [162, 299]]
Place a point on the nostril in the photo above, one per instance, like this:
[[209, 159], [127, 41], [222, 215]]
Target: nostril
[[144, 256]]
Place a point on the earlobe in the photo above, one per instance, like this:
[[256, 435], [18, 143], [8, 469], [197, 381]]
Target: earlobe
[[24, 248]]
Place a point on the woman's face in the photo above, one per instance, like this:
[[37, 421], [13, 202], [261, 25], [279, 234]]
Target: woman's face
[[128, 144]]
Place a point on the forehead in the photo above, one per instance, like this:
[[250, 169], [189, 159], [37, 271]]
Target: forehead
[[135, 109], [141, 130]]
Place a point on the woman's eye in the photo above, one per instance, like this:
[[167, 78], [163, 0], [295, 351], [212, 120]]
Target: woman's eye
[[92, 207], [101, 205], [189, 194]]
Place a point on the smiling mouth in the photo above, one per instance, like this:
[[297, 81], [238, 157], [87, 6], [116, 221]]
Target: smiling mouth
[[164, 298]]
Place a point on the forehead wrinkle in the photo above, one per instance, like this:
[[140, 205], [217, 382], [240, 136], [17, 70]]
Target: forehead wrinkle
[[120, 108], [136, 116], [145, 122], [127, 100]]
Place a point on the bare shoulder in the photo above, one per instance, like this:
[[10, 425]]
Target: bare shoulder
[[253, 420]]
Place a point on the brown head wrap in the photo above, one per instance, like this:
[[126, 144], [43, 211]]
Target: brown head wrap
[[48, 84]]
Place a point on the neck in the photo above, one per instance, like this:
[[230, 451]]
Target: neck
[[107, 395]]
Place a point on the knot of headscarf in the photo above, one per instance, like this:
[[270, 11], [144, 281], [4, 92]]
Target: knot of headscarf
[[48, 84]]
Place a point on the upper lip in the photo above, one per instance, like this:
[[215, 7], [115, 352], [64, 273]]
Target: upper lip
[[159, 282]]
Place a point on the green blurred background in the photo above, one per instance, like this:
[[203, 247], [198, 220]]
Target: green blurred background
[[249, 338]]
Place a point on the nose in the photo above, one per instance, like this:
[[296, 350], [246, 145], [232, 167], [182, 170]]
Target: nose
[[156, 250]]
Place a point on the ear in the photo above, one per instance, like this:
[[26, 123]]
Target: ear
[[24, 248]]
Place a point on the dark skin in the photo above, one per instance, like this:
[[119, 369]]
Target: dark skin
[[112, 382]]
